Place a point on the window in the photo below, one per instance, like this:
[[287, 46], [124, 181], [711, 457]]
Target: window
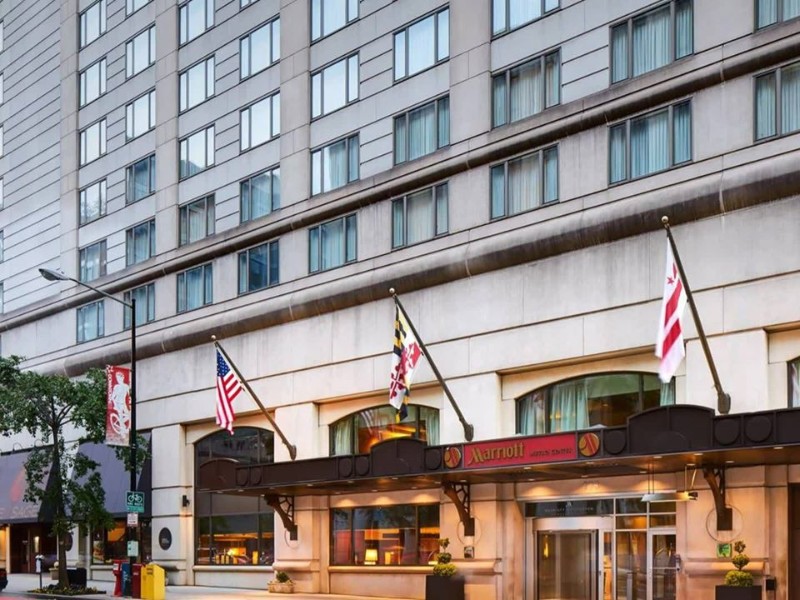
[[524, 183], [259, 267], [404, 534], [526, 89], [260, 194], [91, 322], [769, 12], [93, 202], [2, 246], [332, 244], [131, 6], [140, 179], [2, 194], [2, 298], [260, 122], [243, 3], [359, 432], [195, 17], [2, 42], [93, 23], [334, 165], [145, 297], [2, 151], [197, 84], [140, 115], [650, 143], [197, 152], [510, 14], [591, 401], [778, 102], [259, 49], [93, 82], [196, 220], [92, 261], [109, 545], [92, 141], [1, 88], [419, 216], [422, 131], [140, 242], [794, 383], [422, 45], [195, 288], [651, 40], [328, 16], [334, 86], [140, 52]]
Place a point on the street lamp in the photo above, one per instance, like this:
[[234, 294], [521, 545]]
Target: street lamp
[[52, 275]]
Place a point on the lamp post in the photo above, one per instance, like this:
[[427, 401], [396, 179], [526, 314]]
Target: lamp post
[[52, 275]]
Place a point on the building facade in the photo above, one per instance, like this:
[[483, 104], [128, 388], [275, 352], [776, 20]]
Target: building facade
[[264, 171]]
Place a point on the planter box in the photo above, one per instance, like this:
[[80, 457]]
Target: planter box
[[728, 592], [444, 588], [276, 587]]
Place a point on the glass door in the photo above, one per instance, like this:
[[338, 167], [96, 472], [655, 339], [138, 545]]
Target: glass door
[[566, 565], [662, 565], [631, 567]]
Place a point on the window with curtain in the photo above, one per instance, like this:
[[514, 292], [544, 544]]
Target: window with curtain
[[195, 287], [131, 6], [196, 84], [794, 383], [510, 14], [196, 220], [332, 244], [92, 142], [422, 44], [92, 23], [92, 200], [524, 183], [140, 179], [91, 322], [357, 433], [651, 40], [260, 48], [140, 52], [419, 216], [140, 115], [145, 296], [92, 82], [260, 194], [260, 122], [769, 12], [140, 242], [605, 400], [259, 267], [197, 152], [650, 143], [334, 165], [406, 534], [778, 102], [195, 17], [328, 16], [334, 86], [526, 89], [422, 131], [92, 261]]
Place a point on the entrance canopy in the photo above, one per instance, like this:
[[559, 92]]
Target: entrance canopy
[[13, 482]]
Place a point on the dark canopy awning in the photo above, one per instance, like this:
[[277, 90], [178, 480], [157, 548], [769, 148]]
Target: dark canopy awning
[[13, 482]]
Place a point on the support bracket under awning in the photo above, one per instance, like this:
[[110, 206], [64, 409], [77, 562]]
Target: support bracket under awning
[[716, 481], [460, 495], [284, 507]]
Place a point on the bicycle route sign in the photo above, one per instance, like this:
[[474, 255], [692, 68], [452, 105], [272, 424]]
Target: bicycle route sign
[[134, 502]]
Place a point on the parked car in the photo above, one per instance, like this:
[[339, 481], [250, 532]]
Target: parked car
[[3, 579]]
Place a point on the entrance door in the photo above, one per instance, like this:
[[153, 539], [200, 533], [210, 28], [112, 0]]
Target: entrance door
[[661, 565], [566, 565]]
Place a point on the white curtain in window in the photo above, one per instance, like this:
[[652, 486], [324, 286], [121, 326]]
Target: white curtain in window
[[794, 382], [197, 220], [343, 437], [499, 101], [569, 408], [429, 420], [422, 131], [550, 175], [194, 288], [498, 191], [790, 99], [651, 41], [532, 414], [421, 216], [791, 9], [526, 90], [767, 12], [618, 155], [398, 223], [650, 144], [667, 393], [334, 166], [682, 133], [552, 78], [523, 11], [332, 244], [683, 29], [524, 185], [766, 102], [619, 53], [259, 195]]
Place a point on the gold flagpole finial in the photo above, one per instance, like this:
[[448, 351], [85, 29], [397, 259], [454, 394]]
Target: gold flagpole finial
[[213, 338], [665, 221], [391, 292]]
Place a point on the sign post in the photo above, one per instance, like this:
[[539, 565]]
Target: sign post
[[134, 502]]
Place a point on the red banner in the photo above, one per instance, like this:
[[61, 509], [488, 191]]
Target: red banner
[[118, 406], [521, 451]]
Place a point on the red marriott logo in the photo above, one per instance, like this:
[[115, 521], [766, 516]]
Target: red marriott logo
[[478, 455], [523, 451]]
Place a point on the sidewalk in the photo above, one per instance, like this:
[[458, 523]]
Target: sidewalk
[[20, 584]]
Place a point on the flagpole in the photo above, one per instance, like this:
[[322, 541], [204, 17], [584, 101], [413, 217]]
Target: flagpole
[[469, 430], [723, 399], [292, 449]]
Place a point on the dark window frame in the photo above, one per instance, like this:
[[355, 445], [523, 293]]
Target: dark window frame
[[507, 28], [436, 190], [540, 152], [506, 74], [244, 266], [150, 311], [346, 222], [434, 14], [405, 116], [208, 294], [184, 229]]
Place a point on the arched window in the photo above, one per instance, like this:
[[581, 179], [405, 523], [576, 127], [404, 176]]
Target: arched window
[[358, 432], [794, 383], [605, 400], [233, 529]]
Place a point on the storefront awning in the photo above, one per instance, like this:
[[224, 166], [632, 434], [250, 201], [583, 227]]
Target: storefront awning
[[13, 482]]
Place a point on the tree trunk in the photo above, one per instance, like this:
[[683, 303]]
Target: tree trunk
[[58, 520]]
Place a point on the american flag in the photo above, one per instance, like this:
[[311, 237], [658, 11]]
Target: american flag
[[669, 346], [228, 387]]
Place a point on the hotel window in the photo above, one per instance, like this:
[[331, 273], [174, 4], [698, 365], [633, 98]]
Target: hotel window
[[359, 432], [526, 90], [92, 23], [93, 82], [260, 48], [140, 115], [524, 183], [651, 40], [334, 86], [197, 152], [131, 6], [422, 44], [778, 102], [243, 3], [260, 195], [111, 544], [140, 179], [140, 242], [419, 216], [328, 16], [2, 151], [196, 220], [260, 122], [140, 52], [93, 202], [2, 88], [794, 383], [232, 529], [589, 402], [2, 39], [2, 246], [195, 18], [91, 323], [422, 131], [2, 194], [2, 298], [145, 296], [769, 12], [92, 142], [334, 165], [259, 267], [332, 244], [196, 84], [92, 261], [405, 534], [195, 288], [650, 143], [510, 14]]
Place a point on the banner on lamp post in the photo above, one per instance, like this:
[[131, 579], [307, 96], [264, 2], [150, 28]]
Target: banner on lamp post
[[118, 406]]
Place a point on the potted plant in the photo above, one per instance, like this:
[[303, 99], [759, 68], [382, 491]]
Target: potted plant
[[738, 582], [444, 584], [282, 583]]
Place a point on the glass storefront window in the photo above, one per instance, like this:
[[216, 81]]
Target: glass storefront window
[[358, 432], [109, 545]]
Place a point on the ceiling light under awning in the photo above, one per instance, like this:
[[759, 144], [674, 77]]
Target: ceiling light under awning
[[655, 497]]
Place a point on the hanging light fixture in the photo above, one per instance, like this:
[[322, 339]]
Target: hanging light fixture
[[652, 496]]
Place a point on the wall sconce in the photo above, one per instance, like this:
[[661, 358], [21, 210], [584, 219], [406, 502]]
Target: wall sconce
[[185, 501], [370, 556]]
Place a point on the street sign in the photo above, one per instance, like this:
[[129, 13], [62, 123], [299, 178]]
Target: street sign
[[133, 519], [134, 501], [133, 548]]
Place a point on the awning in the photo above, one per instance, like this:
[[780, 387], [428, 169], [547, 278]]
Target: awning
[[13, 482]]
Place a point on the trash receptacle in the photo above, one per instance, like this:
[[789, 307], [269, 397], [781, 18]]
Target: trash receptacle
[[137, 581], [154, 583], [77, 576], [126, 579], [117, 577]]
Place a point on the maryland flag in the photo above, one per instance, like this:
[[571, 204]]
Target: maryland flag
[[405, 355]]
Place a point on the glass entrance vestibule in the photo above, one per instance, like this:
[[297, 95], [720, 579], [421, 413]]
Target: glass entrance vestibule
[[600, 549]]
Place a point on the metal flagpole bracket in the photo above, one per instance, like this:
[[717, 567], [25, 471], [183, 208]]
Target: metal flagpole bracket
[[284, 507], [716, 481], [459, 494]]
